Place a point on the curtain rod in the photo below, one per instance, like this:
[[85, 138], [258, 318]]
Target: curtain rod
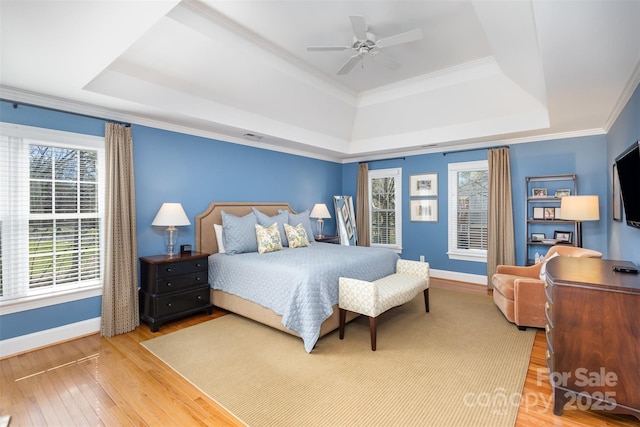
[[381, 160], [444, 153], [16, 104]]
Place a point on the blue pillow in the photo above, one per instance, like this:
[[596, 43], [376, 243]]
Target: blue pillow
[[239, 233], [302, 218], [281, 218]]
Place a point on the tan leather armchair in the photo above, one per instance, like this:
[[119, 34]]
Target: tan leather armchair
[[519, 292]]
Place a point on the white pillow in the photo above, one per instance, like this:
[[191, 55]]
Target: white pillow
[[543, 269], [219, 239]]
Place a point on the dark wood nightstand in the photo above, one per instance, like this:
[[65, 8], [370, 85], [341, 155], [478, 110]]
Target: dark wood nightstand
[[172, 287], [327, 239]]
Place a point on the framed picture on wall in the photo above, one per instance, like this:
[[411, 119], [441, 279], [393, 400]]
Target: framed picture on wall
[[424, 210], [425, 184]]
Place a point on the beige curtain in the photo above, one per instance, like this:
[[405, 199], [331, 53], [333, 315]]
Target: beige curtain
[[362, 205], [120, 290], [501, 246]]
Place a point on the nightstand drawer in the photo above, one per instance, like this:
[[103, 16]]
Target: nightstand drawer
[[177, 283], [179, 302], [179, 268]]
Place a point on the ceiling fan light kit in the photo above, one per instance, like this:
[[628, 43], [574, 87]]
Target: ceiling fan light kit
[[366, 43]]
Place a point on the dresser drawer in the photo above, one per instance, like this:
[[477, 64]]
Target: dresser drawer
[[549, 335], [548, 291], [548, 312], [179, 302]]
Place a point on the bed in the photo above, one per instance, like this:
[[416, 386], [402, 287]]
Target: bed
[[293, 290]]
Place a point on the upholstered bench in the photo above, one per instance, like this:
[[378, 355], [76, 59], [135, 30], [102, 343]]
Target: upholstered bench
[[374, 298]]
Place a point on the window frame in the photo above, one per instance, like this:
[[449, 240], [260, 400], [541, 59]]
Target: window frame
[[395, 173], [453, 252], [71, 140]]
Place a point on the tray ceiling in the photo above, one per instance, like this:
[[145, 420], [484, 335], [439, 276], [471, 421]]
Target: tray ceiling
[[483, 72]]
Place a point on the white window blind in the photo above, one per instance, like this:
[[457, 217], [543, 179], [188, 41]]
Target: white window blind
[[468, 203], [385, 207], [50, 211]]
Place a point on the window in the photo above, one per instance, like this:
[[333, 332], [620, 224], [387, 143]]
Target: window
[[468, 202], [385, 208], [50, 212]]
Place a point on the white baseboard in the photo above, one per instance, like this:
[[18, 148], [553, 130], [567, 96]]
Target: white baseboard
[[460, 277], [21, 344]]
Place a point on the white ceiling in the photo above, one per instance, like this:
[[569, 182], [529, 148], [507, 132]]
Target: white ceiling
[[484, 72]]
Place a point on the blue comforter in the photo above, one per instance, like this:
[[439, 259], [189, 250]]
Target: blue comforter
[[299, 284]]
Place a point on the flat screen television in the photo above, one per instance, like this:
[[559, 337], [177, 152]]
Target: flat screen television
[[628, 165]]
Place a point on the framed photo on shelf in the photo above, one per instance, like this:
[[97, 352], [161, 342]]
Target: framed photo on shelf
[[425, 184], [538, 213], [549, 213], [557, 213], [563, 236], [539, 192], [537, 237], [424, 210], [562, 193]]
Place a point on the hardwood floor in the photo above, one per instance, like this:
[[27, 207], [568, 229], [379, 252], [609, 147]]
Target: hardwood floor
[[95, 381]]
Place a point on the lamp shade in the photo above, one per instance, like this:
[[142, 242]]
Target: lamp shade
[[580, 208], [320, 211], [171, 214]]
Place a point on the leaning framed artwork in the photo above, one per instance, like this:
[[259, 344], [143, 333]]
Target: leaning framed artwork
[[425, 210], [425, 184], [345, 220]]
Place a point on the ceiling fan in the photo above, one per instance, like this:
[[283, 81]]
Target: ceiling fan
[[366, 43]]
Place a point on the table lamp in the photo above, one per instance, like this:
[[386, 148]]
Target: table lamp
[[579, 208], [320, 211], [171, 215]]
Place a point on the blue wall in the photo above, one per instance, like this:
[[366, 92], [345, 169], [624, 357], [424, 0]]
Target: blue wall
[[582, 156], [174, 167], [199, 170]]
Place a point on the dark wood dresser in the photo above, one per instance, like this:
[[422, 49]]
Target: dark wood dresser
[[593, 335], [172, 287]]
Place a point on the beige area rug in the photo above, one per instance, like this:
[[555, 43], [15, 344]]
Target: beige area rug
[[462, 364]]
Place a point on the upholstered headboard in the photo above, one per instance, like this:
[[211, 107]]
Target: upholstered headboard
[[205, 234]]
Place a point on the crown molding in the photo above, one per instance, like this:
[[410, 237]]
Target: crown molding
[[625, 96]]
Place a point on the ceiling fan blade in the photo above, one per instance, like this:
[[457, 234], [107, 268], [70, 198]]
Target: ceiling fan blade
[[407, 37], [359, 26], [327, 48], [383, 59], [348, 66]]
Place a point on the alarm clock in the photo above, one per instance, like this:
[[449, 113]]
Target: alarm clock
[[185, 249]]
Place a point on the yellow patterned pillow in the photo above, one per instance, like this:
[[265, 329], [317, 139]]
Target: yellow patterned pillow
[[268, 238], [296, 236]]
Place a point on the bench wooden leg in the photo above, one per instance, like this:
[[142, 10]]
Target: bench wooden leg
[[426, 299], [372, 329], [343, 316]]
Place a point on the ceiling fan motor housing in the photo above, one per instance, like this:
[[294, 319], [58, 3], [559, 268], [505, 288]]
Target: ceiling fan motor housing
[[364, 45]]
